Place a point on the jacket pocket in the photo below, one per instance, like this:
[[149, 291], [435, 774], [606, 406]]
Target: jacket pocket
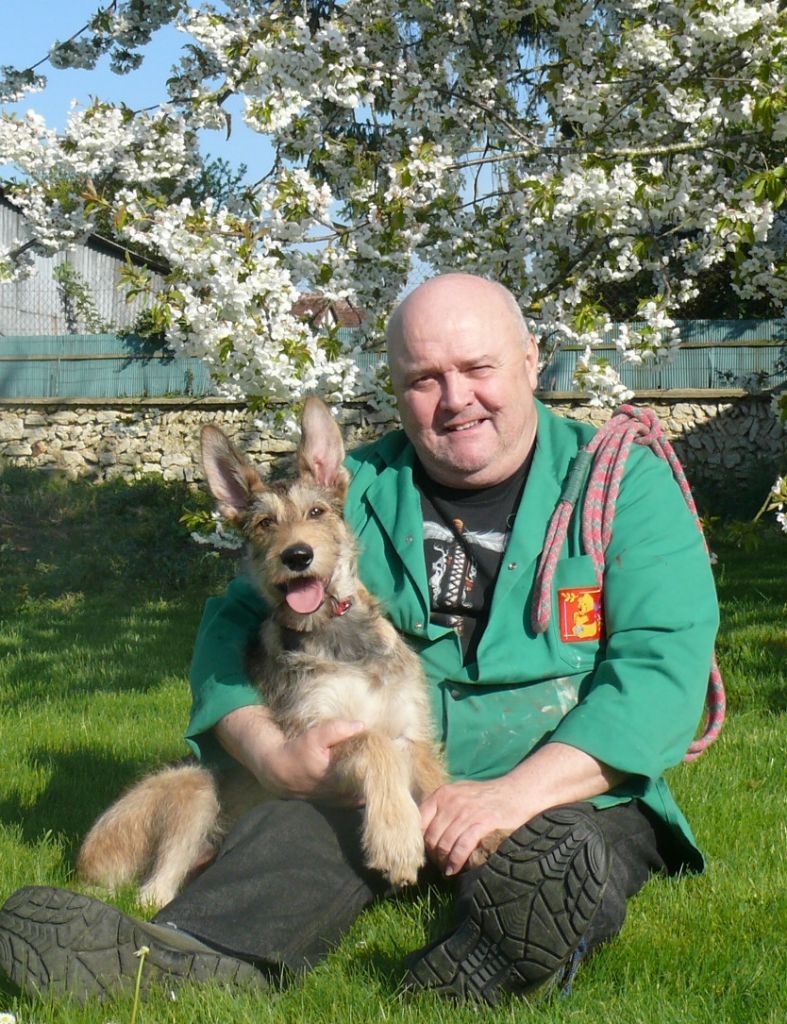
[[576, 629]]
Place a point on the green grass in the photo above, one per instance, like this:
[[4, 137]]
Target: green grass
[[100, 597]]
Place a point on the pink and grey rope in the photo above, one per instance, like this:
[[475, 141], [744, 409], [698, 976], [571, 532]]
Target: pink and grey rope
[[607, 453]]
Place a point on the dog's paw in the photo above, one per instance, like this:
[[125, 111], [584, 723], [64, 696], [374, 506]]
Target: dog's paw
[[401, 864], [486, 848], [396, 851], [155, 894]]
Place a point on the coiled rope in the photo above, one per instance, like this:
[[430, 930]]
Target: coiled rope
[[605, 459]]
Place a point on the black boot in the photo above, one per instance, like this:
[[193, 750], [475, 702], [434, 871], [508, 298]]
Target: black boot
[[529, 908], [60, 942]]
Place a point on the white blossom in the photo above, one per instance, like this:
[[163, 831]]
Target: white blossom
[[566, 149]]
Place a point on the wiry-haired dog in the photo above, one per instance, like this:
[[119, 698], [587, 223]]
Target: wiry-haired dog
[[325, 653]]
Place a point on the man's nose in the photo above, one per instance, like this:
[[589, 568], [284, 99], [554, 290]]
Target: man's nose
[[456, 392]]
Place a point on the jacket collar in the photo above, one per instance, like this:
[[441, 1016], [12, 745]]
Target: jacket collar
[[396, 502], [394, 499]]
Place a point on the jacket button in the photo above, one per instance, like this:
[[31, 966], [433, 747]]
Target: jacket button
[[409, 539], [419, 625], [456, 694], [513, 565]]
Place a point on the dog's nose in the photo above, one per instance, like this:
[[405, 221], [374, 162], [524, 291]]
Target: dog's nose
[[297, 557]]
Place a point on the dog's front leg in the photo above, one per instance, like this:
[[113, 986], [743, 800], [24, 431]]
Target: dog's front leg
[[428, 770], [375, 767]]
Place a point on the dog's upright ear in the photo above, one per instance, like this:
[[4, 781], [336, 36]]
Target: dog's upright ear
[[232, 480], [321, 451]]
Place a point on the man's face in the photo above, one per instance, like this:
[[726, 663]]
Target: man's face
[[464, 378]]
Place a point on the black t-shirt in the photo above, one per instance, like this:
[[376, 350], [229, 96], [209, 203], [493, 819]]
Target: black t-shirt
[[465, 537]]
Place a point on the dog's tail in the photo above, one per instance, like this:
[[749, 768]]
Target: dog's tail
[[161, 830]]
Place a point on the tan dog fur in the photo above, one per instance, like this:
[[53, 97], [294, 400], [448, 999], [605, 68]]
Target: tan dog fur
[[341, 661]]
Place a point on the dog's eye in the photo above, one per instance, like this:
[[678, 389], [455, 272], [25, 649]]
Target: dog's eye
[[316, 512], [264, 523]]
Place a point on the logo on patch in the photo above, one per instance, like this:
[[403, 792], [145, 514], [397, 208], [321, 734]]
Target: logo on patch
[[581, 615]]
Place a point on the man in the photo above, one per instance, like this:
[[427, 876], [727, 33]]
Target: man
[[560, 738]]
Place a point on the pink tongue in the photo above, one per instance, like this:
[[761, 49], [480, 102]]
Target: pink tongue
[[305, 596]]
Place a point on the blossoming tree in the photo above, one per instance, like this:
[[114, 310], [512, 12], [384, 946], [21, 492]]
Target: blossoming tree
[[562, 147]]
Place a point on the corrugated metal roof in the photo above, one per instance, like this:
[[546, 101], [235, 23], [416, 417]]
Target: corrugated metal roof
[[36, 304], [719, 332]]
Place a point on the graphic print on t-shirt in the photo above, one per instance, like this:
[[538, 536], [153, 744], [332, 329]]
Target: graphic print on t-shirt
[[466, 532], [454, 567]]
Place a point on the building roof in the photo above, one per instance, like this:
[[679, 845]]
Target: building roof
[[323, 312]]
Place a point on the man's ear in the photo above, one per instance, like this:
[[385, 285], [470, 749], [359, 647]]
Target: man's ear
[[321, 451], [232, 480], [531, 361]]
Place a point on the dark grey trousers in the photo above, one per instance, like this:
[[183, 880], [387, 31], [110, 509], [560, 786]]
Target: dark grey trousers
[[289, 881]]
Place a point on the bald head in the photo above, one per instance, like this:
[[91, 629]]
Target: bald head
[[447, 296], [463, 367]]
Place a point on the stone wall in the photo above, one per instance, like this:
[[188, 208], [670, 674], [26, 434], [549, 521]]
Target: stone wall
[[719, 438], [103, 439]]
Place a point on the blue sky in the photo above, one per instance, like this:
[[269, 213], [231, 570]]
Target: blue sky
[[29, 28]]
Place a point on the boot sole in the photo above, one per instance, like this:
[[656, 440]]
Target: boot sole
[[57, 942], [532, 903]]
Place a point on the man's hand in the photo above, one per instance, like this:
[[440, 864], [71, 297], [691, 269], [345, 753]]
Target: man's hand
[[456, 817], [299, 767]]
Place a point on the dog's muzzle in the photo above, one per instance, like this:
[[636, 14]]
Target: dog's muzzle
[[297, 557]]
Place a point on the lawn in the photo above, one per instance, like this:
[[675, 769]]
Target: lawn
[[100, 595]]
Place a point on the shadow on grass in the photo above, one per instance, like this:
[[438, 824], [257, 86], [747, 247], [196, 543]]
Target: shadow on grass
[[95, 778], [101, 591], [59, 536], [379, 969], [752, 645], [757, 573], [80, 645], [100, 584]]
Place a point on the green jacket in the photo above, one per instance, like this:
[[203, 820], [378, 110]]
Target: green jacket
[[632, 698]]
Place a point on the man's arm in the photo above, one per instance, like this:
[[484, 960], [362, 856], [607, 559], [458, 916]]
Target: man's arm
[[219, 677], [456, 817], [645, 697], [294, 768]]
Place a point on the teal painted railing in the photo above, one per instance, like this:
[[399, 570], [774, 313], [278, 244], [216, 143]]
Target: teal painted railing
[[716, 354]]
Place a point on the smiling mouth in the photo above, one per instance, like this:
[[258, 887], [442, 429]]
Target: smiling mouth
[[459, 428]]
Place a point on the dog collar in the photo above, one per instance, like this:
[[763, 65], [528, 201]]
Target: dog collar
[[342, 607], [292, 639]]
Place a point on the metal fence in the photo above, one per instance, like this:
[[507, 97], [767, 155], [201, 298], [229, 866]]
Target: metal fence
[[96, 366], [716, 355]]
